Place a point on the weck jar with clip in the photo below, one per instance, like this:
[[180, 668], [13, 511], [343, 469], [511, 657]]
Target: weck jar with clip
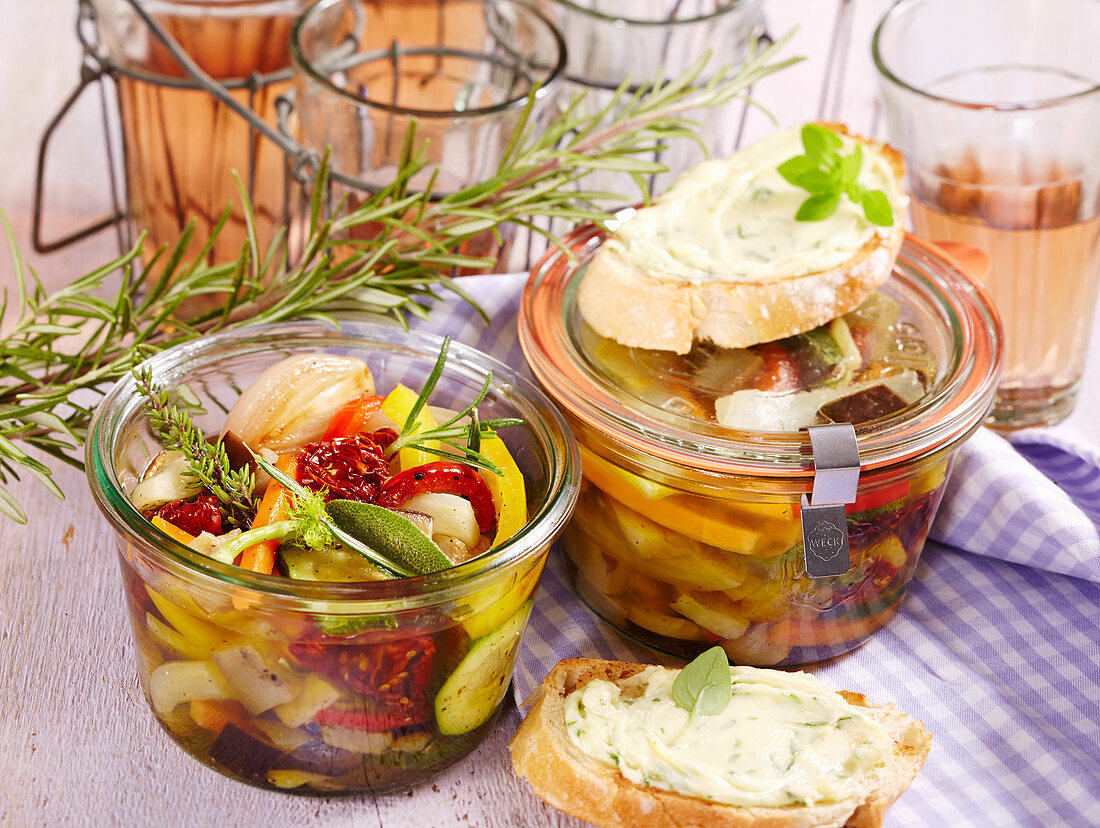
[[773, 499]]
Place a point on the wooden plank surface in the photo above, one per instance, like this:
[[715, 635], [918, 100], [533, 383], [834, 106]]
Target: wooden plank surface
[[77, 744]]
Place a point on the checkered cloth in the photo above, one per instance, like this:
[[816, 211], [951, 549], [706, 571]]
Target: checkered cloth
[[996, 647]]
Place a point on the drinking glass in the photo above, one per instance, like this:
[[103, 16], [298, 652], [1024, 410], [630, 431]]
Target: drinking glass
[[610, 41], [180, 142], [996, 106], [458, 71]]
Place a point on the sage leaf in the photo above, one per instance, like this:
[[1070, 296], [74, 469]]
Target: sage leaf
[[389, 534], [704, 687]]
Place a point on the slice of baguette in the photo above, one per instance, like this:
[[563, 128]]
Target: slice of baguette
[[639, 309], [576, 784]]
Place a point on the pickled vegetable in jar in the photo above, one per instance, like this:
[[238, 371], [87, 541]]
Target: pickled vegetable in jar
[[688, 528]]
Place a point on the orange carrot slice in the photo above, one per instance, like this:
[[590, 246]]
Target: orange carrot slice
[[275, 505]]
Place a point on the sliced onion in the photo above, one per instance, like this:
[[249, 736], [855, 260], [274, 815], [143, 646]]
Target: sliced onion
[[455, 550], [420, 520], [290, 404], [169, 478], [451, 515]]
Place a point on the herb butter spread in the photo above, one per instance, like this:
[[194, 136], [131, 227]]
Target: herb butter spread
[[784, 738], [733, 219]]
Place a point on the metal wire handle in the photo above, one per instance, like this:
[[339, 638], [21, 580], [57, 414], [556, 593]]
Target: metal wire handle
[[96, 66]]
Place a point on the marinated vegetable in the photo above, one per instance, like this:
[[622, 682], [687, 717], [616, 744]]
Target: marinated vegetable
[[683, 566], [325, 485]]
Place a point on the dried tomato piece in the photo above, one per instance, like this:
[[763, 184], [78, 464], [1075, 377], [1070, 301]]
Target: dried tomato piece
[[350, 468], [193, 516], [395, 674]]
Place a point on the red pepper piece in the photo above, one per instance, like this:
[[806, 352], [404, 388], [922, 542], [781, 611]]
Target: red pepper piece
[[193, 516], [880, 497], [353, 416], [446, 477], [780, 371]]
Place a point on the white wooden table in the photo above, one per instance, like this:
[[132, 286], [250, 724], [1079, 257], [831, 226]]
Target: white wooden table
[[77, 743]]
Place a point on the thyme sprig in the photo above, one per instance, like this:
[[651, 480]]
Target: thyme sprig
[[463, 441], [391, 256], [207, 461]]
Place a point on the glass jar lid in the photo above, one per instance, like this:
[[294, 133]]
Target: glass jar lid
[[913, 369]]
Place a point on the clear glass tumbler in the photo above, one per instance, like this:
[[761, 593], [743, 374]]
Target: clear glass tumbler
[[459, 72], [610, 42], [996, 106]]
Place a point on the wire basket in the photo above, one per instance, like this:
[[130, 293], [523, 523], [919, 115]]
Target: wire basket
[[177, 107]]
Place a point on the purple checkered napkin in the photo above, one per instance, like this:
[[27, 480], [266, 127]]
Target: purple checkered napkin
[[996, 647], [1034, 501]]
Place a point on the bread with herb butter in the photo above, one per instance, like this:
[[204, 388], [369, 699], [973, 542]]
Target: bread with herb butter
[[574, 782], [720, 256]]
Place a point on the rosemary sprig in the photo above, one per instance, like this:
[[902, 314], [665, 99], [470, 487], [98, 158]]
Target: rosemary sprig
[[62, 350], [207, 461], [463, 441]]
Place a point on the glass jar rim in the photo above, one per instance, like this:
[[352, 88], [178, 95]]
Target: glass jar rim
[[903, 7], [121, 407], [736, 5], [955, 407], [553, 75]]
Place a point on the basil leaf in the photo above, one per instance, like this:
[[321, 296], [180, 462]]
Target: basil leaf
[[818, 207], [819, 142], [824, 173], [850, 164], [704, 687], [877, 208], [795, 169], [818, 181]]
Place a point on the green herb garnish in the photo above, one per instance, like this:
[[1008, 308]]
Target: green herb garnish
[[388, 532], [463, 440], [61, 351], [827, 175], [207, 461], [704, 687], [323, 523]]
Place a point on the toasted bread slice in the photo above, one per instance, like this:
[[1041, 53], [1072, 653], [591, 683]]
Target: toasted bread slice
[[572, 782], [624, 297]]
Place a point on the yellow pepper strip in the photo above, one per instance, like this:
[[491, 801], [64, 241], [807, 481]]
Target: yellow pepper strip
[[757, 529], [498, 603], [396, 406], [202, 635], [508, 490], [172, 531]]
